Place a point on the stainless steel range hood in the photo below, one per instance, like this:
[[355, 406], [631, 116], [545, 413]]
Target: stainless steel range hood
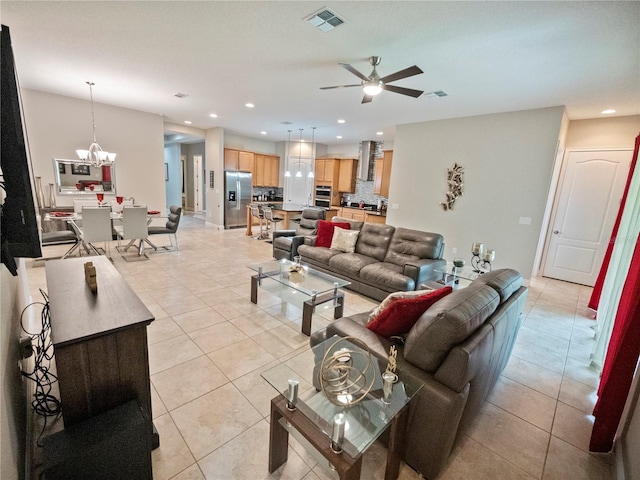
[[366, 163]]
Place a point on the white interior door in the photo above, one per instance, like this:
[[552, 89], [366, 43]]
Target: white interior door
[[197, 183], [589, 198]]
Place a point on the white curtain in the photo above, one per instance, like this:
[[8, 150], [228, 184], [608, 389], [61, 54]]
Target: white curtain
[[623, 248]]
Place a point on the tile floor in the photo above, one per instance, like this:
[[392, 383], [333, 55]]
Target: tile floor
[[209, 344]]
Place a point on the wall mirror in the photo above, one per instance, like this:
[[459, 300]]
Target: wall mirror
[[73, 177]]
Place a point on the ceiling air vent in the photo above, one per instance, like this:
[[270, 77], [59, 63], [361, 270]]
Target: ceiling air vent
[[325, 20], [437, 93]]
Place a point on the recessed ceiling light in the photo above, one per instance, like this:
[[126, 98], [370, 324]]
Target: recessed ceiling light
[[249, 105], [342, 121], [187, 122], [379, 133], [263, 132], [608, 111], [213, 115], [339, 137]]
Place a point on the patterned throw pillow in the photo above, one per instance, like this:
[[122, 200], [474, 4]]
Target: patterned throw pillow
[[325, 232], [400, 316], [344, 240], [392, 297]]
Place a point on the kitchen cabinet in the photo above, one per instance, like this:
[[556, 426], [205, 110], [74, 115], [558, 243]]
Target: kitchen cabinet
[[353, 214], [374, 218], [245, 161], [266, 170], [238, 160], [327, 170], [383, 174], [337, 173], [347, 175]]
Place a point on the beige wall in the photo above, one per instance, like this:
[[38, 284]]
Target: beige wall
[[58, 125], [605, 132], [13, 400], [508, 160]]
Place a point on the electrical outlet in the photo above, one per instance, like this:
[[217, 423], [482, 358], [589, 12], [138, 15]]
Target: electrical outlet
[[454, 250], [395, 206], [26, 347]]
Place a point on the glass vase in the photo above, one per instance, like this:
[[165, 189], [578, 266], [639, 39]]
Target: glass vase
[[39, 193], [52, 195]]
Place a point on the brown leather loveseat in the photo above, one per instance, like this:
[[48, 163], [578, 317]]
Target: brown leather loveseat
[[457, 349]]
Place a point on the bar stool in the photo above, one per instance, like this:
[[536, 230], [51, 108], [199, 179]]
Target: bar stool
[[268, 216], [255, 212]]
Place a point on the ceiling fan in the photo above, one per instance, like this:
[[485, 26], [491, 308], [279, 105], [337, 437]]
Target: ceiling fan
[[374, 84]]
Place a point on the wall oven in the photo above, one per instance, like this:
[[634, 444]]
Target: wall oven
[[323, 196]]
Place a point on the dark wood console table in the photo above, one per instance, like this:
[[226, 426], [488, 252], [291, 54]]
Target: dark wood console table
[[100, 340]]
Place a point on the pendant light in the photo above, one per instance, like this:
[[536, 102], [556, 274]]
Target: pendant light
[[95, 156], [287, 173], [299, 173], [313, 149]]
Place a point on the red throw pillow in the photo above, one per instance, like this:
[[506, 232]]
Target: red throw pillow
[[399, 317], [325, 232]]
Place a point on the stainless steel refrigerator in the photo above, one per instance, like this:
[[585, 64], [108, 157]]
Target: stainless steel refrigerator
[[237, 197]]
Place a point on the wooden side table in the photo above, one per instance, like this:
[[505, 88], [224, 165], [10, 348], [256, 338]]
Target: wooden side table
[[348, 468], [100, 341]]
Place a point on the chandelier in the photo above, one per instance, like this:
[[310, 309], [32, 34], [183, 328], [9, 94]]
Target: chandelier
[[95, 156]]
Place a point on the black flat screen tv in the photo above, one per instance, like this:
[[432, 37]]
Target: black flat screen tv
[[19, 232]]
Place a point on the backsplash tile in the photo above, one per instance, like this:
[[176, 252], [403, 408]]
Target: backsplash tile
[[364, 193]]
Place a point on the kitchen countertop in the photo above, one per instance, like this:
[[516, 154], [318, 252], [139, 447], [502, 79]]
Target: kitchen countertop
[[368, 211]]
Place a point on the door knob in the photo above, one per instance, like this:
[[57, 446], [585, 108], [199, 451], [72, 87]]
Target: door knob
[[556, 232]]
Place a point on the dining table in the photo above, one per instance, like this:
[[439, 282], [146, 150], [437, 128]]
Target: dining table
[[74, 219]]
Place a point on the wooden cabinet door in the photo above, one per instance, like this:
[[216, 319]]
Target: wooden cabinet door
[[386, 173], [259, 171], [377, 178], [329, 169], [347, 175], [231, 159], [383, 174], [245, 161], [273, 171], [319, 174]]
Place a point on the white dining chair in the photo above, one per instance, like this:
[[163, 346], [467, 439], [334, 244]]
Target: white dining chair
[[96, 227], [134, 227], [78, 203]]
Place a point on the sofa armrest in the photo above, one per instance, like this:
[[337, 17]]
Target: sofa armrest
[[283, 233], [310, 240], [423, 270]]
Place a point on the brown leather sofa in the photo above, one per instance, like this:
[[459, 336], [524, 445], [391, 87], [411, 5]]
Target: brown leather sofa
[[457, 350], [386, 259]]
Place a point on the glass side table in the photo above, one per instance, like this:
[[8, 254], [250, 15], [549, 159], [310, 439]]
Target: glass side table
[[313, 415]]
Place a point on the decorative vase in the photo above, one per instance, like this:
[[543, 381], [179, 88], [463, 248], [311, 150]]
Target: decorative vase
[[52, 195], [39, 194]]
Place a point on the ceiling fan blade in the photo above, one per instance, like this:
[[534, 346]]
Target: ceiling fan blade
[[404, 91], [407, 72], [367, 98], [354, 71], [341, 86]]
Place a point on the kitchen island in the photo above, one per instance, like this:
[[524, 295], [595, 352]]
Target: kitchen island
[[287, 212]]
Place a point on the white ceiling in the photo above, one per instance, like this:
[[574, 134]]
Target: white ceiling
[[488, 56]]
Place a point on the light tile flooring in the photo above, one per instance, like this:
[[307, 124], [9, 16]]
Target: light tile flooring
[[209, 344]]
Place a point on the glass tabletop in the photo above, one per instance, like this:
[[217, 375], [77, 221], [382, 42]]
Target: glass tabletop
[[450, 272], [302, 278], [366, 420]]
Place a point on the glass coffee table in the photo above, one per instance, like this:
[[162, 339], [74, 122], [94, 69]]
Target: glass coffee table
[[451, 275], [286, 276], [313, 415]]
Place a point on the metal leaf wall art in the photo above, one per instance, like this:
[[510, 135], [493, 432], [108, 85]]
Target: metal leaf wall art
[[455, 185]]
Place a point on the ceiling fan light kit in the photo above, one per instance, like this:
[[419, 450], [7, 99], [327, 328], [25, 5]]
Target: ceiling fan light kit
[[374, 84]]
